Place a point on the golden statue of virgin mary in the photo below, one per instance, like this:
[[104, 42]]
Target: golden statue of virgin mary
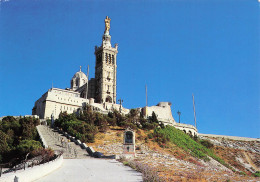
[[107, 24]]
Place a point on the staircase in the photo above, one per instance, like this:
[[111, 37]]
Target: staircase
[[58, 142]]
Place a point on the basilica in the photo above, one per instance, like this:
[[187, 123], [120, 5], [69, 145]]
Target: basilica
[[99, 92]]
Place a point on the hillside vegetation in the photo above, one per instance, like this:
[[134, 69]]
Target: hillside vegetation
[[168, 153], [86, 124], [18, 136], [200, 149]]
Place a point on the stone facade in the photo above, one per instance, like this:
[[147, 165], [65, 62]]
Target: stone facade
[[55, 101], [164, 114], [99, 92], [105, 71]]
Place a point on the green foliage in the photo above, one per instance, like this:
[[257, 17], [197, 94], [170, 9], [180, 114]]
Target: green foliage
[[150, 135], [173, 135], [206, 143], [87, 123], [4, 146], [151, 123], [83, 129], [27, 146], [257, 174], [48, 122], [153, 118], [242, 173], [12, 132]]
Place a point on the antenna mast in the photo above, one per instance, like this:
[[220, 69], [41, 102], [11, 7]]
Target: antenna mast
[[87, 84], [194, 110], [146, 95]]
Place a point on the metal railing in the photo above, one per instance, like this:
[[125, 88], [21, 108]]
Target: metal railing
[[26, 163]]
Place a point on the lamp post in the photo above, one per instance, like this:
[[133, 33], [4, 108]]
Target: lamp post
[[179, 113], [120, 102]]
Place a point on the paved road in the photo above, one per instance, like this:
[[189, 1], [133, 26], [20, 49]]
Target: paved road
[[92, 170]]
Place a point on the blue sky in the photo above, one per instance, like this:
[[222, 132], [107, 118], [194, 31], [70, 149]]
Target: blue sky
[[208, 48]]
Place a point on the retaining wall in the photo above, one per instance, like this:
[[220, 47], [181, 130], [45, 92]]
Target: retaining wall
[[32, 174], [44, 143], [230, 137]]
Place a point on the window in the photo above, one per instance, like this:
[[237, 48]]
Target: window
[[113, 59], [109, 58]]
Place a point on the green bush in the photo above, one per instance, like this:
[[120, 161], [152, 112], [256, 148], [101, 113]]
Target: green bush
[[82, 130], [257, 174], [13, 133], [150, 135], [206, 143], [27, 146]]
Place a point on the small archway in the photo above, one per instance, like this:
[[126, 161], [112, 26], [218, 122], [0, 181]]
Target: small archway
[[109, 99]]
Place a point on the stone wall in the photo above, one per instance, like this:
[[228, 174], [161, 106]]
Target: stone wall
[[32, 174], [58, 100], [189, 129], [163, 112], [230, 137]]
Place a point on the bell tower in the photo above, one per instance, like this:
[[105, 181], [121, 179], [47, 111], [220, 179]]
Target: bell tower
[[105, 70]]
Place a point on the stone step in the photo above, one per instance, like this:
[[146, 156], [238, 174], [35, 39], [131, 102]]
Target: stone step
[[54, 140]]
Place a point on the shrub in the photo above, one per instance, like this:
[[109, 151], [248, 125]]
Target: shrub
[[150, 135], [257, 174], [27, 146], [206, 143], [46, 154], [242, 173], [17, 136]]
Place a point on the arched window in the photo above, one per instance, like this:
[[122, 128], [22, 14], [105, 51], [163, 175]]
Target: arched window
[[113, 59], [77, 82], [109, 99], [109, 58]]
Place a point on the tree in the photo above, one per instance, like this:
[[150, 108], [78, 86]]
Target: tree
[[153, 118], [27, 146], [4, 147]]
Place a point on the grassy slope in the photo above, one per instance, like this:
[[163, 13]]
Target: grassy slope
[[185, 142]]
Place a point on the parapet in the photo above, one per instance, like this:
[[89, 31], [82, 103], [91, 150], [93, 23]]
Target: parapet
[[164, 104]]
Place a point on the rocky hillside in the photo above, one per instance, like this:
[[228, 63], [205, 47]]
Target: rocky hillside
[[242, 155], [172, 163]]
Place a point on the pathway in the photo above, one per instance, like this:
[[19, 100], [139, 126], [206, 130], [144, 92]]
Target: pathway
[[81, 167], [93, 170], [53, 140]]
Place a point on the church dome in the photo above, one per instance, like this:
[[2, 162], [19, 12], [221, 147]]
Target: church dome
[[80, 74], [79, 79]]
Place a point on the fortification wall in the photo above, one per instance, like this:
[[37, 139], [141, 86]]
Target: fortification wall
[[163, 112], [187, 128]]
